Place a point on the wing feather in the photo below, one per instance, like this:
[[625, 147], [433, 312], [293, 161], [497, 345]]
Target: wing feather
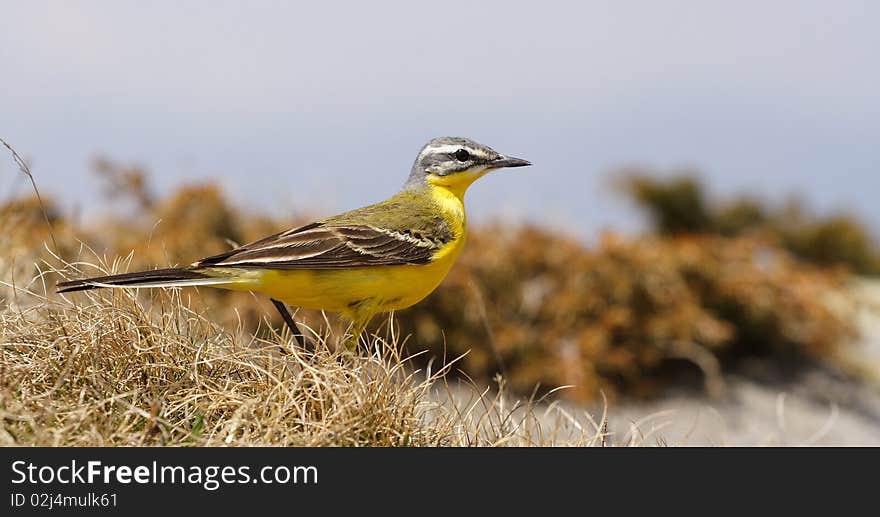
[[326, 246]]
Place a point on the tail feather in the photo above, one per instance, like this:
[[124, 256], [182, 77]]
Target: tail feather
[[172, 277]]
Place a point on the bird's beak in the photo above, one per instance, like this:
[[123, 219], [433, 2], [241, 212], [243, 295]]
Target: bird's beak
[[507, 161]]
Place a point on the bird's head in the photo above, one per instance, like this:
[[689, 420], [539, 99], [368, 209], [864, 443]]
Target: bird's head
[[456, 162]]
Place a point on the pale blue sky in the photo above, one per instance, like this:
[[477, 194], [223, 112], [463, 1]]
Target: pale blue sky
[[320, 107]]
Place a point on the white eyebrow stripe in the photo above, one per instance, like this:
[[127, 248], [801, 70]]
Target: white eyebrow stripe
[[445, 148], [451, 148]]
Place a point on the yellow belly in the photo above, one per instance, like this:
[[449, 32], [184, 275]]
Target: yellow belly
[[354, 292]]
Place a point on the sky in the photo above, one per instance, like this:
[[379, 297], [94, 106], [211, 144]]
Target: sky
[[320, 107]]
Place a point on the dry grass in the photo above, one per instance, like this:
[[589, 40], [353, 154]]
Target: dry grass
[[114, 370]]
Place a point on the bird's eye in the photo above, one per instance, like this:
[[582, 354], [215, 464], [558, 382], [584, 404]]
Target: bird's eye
[[462, 155]]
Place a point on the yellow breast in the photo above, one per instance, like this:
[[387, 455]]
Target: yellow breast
[[359, 292]]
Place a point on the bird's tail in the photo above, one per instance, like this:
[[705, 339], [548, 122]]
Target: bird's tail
[[172, 277]]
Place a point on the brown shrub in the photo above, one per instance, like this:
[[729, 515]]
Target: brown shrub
[[679, 205], [541, 308]]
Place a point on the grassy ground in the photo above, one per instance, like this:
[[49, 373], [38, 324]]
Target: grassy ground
[[113, 370]]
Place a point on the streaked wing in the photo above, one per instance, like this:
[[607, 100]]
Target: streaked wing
[[326, 246]]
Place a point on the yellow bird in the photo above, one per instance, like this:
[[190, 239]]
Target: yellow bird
[[378, 258]]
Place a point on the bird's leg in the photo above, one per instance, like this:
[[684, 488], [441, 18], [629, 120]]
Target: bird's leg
[[358, 324], [288, 319], [354, 340]]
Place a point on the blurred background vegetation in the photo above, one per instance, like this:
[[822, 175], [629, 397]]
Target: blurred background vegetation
[[712, 282], [680, 206]]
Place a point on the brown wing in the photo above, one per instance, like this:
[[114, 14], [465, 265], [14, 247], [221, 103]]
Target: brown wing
[[322, 246]]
